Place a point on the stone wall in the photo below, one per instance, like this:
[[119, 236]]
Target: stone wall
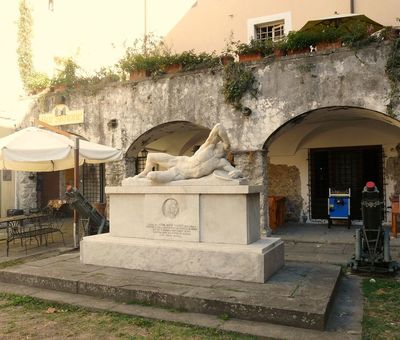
[[393, 170], [288, 86], [26, 193], [253, 166], [290, 188]]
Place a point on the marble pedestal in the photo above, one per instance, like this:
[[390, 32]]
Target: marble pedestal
[[195, 227]]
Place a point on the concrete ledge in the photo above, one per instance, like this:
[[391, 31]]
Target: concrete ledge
[[298, 295], [180, 189], [254, 262]]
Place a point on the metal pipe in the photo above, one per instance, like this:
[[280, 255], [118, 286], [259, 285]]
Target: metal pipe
[[357, 254], [76, 185], [386, 245], [145, 27], [352, 6]]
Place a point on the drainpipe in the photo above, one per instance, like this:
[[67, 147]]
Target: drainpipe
[[352, 6]]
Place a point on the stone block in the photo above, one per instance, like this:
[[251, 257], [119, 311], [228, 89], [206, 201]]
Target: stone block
[[254, 262], [214, 214]]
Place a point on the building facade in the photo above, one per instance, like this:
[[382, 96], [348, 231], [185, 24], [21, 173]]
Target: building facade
[[319, 121], [210, 24]]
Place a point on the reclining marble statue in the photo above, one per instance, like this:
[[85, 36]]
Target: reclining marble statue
[[209, 158], [197, 217]]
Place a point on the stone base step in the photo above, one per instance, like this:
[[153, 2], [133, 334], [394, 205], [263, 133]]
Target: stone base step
[[298, 295]]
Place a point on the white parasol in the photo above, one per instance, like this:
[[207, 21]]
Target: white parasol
[[35, 149]]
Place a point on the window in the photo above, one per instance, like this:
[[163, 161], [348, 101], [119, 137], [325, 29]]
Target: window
[[93, 182], [270, 31], [141, 161], [271, 27]]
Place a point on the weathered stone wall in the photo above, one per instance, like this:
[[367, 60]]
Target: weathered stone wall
[[26, 193], [290, 188], [289, 86], [393, 170], [253, 166]]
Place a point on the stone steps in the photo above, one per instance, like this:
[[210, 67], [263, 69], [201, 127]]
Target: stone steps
[[299, 295]]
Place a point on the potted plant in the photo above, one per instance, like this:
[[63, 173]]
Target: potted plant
[[37, 82], [171, 63], [226, 59], [329, 39], [145, 58], [357, 34], [191, 61], [227, 54], [66, 76], [254, 50], [300, 42], [280, 48]]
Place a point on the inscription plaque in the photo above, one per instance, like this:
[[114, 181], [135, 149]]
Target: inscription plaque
[[172, 217], [172, 230]]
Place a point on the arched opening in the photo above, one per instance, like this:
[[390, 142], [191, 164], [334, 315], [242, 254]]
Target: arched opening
[[176, 138], [337, 148]]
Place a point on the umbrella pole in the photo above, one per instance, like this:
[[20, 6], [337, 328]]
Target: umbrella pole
[[76, 185]]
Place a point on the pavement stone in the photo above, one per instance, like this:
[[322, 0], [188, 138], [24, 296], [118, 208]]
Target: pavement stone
[[261, 329], [285, 298]]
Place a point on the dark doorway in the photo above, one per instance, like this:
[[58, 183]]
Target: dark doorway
[[47, 187], [342, 168]]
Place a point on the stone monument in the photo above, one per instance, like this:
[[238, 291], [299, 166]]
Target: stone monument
[[197, 217]]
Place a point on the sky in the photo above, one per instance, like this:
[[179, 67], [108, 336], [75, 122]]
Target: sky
[[94, 32]]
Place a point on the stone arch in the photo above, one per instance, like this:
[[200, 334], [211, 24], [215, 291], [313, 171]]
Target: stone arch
[[335, 130]]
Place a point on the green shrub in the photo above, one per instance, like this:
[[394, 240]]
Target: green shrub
[[105, 74], [302, 40], [147, 54], [265, 47], [357, 35], [67, 73], [192, 61], [37, 81]]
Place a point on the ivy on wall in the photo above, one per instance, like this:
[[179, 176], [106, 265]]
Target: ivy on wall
[[24, 39], [393, 73], [238, 80]]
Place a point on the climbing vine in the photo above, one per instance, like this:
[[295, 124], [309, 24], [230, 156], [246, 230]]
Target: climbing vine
[[393, 73], [238, 80], [24, 49]]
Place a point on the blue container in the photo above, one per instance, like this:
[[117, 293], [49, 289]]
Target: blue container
[[339, 206]]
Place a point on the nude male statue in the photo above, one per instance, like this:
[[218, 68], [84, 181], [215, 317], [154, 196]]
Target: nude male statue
[[208, 158]]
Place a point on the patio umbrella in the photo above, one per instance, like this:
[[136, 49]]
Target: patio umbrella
[[35, 149], [346, 21], [40, 150]]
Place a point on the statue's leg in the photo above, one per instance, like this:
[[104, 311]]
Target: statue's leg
[[232, 171], [164, 176], [153, 159]]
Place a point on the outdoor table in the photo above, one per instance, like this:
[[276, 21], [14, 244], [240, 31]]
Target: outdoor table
[[28, 226]]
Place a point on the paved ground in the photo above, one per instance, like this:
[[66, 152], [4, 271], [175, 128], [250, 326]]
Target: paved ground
[[318, 244], [54, 245], [303, 243]]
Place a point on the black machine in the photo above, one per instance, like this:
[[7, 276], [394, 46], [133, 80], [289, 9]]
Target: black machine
[[94, 222], [372, 247]]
